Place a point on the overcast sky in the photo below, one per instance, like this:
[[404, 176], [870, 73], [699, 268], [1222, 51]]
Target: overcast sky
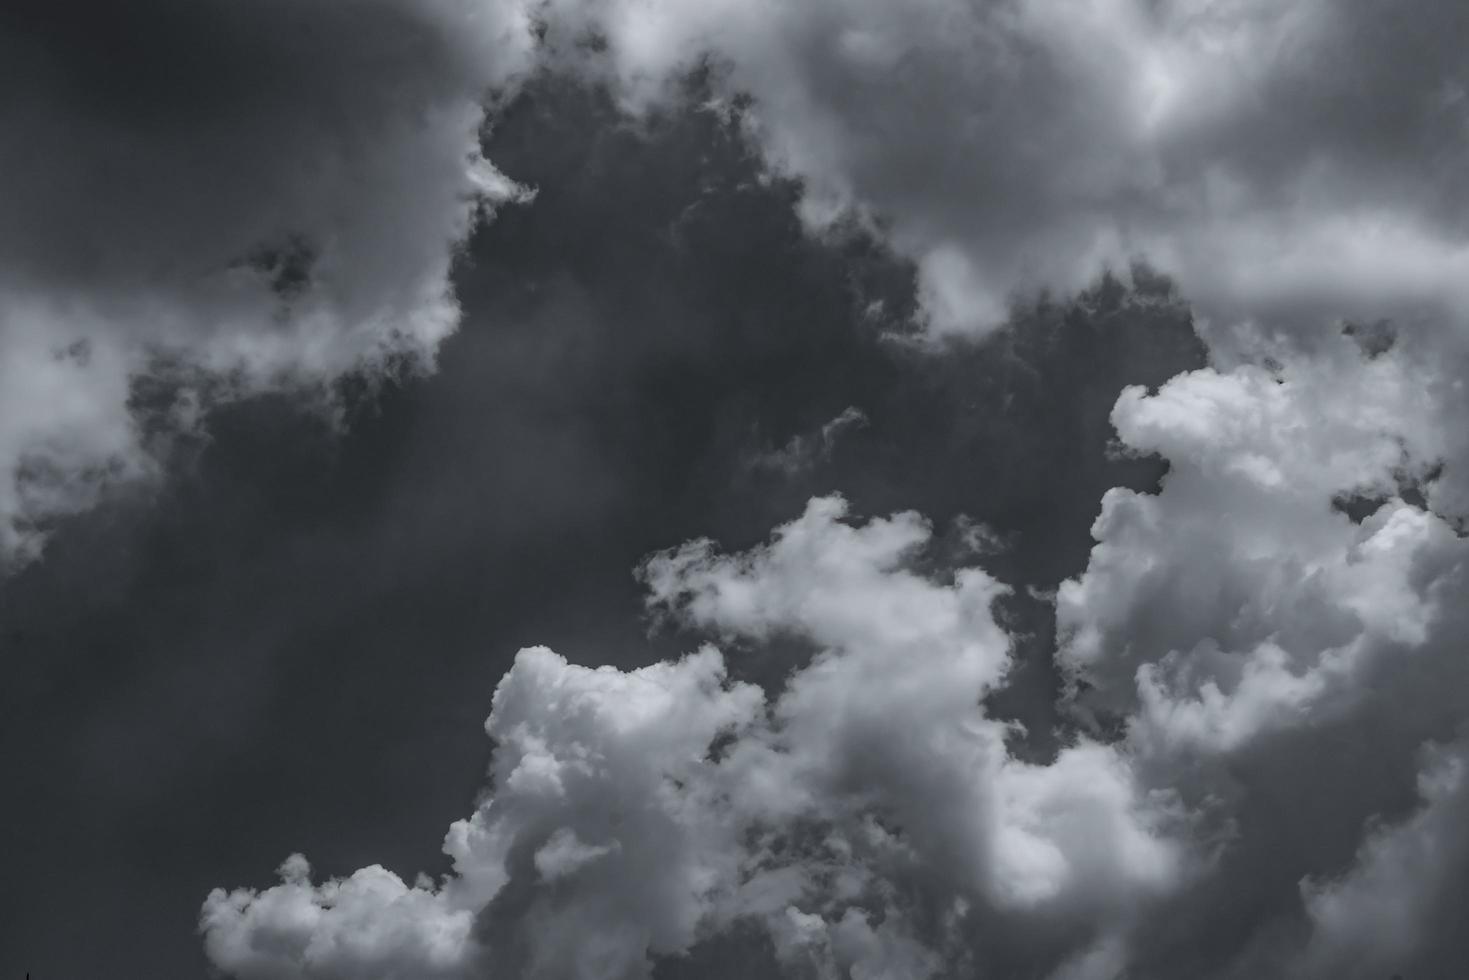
[[678, 489]]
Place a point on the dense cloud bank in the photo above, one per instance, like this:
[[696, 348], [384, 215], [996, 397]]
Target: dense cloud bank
[[1283, 159], [1266, 777], [246, 197], [240, 197]]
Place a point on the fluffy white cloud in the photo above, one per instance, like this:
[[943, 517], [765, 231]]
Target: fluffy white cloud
[[268, 193], [888, 714], [606, 839], [1238, 598], [867, 816], [370, 925], [863, 816], [1279, 662], [1301, 158]]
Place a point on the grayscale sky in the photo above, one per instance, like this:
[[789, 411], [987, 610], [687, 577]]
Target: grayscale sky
[[681, 489]]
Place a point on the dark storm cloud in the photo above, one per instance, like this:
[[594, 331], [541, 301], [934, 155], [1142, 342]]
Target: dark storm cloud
[[299, 635], [268, 191]]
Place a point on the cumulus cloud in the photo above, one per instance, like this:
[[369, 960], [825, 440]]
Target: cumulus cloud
[[1302, 159], [370, 925], [1281, 662], [1296, 594], [254, 195], [1265, 774], [1266, 778], [862, 816]]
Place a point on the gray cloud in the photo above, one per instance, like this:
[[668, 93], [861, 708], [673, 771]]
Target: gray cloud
[[1302, 160], [804, 450], [1275, 695], [188, 646], [1265, 751], [269, 193], [272, 192], [1302, 659], [870, 795]]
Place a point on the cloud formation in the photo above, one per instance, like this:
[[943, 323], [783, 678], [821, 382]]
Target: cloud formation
[[805, 449], [1270, 699], [300, 563], [1265, 751], [858, 816], [241, 197], [271, 194], [1303, 159]]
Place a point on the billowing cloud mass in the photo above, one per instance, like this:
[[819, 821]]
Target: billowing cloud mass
[[1278, 158], [1260, 766], [1266, 778], [1278, 632], [270, 191], [233, 196], [861, 816]]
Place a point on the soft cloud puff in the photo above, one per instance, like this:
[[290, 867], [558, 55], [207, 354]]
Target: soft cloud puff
[[1239, 582], [863, 816], [269, 193], [1291, 159], [1283, 760], [369, 925], [1283, 662], [605, 840]]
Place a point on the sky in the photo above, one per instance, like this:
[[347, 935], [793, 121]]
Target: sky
[[656, 489]]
